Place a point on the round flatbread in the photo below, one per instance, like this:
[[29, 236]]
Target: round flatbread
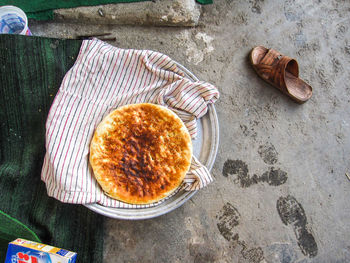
[[140, 153]]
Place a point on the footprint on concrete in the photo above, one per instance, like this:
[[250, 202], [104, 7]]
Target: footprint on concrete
[[273, 176], [253, 255], [293, 11], [228, 219], [292, 213], [268, 153], [248, 131], [239, 168]]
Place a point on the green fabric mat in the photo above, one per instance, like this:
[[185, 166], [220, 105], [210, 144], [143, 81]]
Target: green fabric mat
[[32, 69], [43, 9], [10, 229], [205, 2]]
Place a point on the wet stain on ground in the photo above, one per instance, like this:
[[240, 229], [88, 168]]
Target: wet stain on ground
[[228, 219], [239, 168], [244, 129], [248, 131], [253, 255], [292, 213], [292, 11], [202, 253], [268, 153], [337, 66], [273, 177]]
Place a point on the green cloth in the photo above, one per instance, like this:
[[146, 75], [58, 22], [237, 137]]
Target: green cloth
[[205, 2], [10, 229], [32, 69], [43, 9]]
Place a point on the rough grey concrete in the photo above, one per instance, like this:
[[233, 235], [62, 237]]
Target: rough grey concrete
[[157, 13], [281, 193]]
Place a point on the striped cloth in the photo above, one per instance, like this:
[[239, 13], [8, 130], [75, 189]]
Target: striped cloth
[[103, 78]]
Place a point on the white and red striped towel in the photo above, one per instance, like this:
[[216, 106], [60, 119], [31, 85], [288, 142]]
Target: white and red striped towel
[[103, 78]]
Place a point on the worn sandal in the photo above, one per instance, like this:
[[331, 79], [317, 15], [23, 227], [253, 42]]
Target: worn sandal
[[280, 71]]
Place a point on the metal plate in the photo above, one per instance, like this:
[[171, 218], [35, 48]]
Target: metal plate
[[204, 148]]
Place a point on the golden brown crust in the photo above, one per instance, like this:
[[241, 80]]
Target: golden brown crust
[[140, 153]]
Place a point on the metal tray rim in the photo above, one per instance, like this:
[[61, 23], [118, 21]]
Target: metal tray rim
[[147, 213]]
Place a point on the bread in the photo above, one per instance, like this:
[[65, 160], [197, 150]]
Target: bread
[[140, 153]]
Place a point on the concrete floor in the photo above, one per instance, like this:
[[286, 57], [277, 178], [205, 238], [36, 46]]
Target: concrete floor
[[281, 192]]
